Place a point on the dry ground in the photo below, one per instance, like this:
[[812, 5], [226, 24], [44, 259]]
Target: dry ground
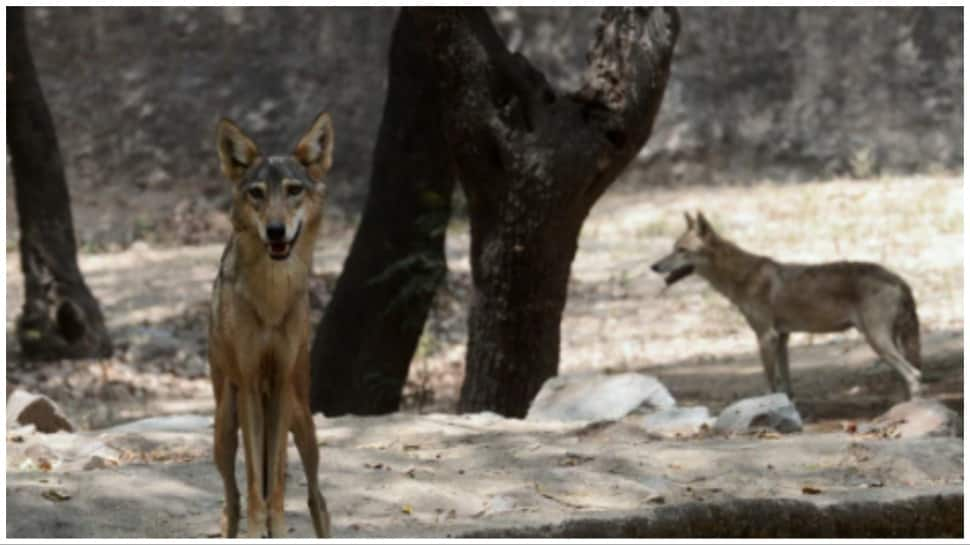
[[619, 317]]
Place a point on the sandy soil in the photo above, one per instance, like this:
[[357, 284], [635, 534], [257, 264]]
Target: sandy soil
[[619, 317], [449, 475]]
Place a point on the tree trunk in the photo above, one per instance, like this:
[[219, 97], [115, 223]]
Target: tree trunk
[[365, 342], [60, 317], [532, 163]]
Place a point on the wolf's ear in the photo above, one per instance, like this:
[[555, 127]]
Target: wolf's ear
[[690, 221], [703, 228], [316, 147], [236, 151]]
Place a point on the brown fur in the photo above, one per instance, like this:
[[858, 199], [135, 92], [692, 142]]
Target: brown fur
[[259, 329], [777, 299]]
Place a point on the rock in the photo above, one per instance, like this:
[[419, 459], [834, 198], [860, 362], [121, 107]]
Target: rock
[[598, 397], [918, 418], [97, 462], [59, 452], [171, 423], [774, 411], [678, 420], [149, 343], [26, 408]]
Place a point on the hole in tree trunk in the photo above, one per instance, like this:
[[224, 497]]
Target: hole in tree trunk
[[70, 321], [617, 138]]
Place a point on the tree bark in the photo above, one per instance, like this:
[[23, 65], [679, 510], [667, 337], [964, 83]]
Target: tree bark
[[60, 316], [532, 162], [370, 329]]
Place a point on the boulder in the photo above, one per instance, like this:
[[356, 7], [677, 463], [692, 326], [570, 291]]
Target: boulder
[[595, 397], [60, 452], [773, 411], [25, 408], [918, 418], [678, 421]]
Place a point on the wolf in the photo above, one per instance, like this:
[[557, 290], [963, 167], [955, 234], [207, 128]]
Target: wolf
[[259, 324], [777, 299]]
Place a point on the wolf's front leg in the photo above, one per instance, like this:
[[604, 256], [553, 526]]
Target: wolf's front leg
[[781, 346], [251, 421], [226, 443], [768, 349], [278, 414]]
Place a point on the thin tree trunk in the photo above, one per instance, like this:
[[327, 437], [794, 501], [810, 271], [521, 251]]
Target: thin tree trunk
[[370, 329], [60, 317], [532, 163]]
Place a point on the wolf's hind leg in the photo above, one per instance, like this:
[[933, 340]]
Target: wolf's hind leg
[[881, 341]]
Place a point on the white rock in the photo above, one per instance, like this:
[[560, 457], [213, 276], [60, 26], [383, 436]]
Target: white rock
[[595, 397], [920, 418], [774, 411], [25, 408]]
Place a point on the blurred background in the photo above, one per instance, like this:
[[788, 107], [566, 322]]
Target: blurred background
[[783, 93]]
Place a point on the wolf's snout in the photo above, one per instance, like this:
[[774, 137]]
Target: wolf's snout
[[276, 232], [655, 267]]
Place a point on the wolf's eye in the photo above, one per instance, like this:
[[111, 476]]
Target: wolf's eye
[[294, 190], [256, 192]]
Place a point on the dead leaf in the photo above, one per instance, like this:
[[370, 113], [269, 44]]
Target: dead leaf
[[407, 509], [811, 490], [410, 447], [573, 459], [53, 494]]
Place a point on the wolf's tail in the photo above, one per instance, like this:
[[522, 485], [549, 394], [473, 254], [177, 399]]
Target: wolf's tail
[[906, 329]]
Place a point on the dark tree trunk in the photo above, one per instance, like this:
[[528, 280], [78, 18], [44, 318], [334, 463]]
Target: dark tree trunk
[[60, 318], [532, 163], [370, 329]]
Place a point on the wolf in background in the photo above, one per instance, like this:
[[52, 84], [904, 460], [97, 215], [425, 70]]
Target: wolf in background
[[777, 299]]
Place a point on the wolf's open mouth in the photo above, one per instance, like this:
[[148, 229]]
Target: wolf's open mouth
[[281, 250], [677, 274]]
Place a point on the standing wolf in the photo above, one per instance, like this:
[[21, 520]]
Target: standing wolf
[[259, 324], [779, 298]]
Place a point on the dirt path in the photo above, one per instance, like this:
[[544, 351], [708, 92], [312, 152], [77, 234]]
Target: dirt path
[[446, 475]]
